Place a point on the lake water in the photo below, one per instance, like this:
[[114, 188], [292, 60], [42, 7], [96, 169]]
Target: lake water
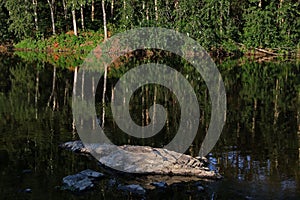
[[257, 153]]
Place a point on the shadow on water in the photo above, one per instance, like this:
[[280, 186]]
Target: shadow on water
[[258, 152]]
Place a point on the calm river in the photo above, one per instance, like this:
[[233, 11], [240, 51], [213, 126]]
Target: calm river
[[258, 152]]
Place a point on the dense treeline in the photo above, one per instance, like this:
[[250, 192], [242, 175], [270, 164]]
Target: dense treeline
[[214, 23]]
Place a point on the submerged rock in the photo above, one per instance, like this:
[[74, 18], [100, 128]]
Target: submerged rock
[[26, 171], [136, 189], [112, 182], [200, 188], [91, 174], [75, 146], [81, 181], [144, 159], [160, 184], [28, 190]]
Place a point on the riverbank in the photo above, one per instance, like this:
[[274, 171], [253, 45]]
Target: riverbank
[[84, 42]]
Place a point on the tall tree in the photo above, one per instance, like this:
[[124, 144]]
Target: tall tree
[[104, 20], [156, 10], [93, 10], [112, 4], [74, 2], [35, 6], [51, 6], [82, 4], [65, 7]]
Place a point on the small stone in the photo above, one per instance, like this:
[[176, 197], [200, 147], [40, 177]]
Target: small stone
[[27, 171], [28, 190], [200, 188], [84, 184], [77, 182], [91, 174], [161, 184], [72, 179], [112, 182], [136, 189]]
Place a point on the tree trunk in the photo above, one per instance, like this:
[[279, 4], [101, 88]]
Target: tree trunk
[[280, 12], [298, 123], [93, 10], [75, 80], [65, 8], [156, 10], [145, 7], [51, 5], [36, 96], [82, 17], [74, 21], [34, 2], [260, 3], [52, 96], [104, 20], [65, 13], [103, 94], [112, 8]]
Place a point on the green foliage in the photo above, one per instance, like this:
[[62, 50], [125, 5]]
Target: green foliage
[[216, 24], [272, 25], [85, 41], [28, 43], [289, 23], [20, 18], [4, 33]]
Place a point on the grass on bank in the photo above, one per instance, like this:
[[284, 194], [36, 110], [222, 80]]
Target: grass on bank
[[85, 41]]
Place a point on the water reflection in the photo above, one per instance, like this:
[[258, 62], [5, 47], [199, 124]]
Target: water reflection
[[258, 152]]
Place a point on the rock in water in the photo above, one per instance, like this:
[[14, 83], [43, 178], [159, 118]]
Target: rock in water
[[136, 189], [91, 174], [144, 159], [160, 184], [81, 181]]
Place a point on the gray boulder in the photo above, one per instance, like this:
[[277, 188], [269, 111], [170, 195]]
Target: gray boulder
[[144, 160], [81, 181]]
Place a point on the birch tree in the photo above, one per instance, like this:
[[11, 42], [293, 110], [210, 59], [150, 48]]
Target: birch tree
[[93, 10], [35, 3], [51, 6], [74, 16], [104, 20]]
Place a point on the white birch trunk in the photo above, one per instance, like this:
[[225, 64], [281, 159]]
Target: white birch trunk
[[156, 9], [82, 17], [93, 10], [51, 5], [34, 2], [104, 20], [74, 21]]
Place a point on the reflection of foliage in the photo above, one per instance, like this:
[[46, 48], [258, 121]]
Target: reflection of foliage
[[262, 111], [263, 101], [29, 128]]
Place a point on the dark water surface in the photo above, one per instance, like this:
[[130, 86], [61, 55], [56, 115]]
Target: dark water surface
[[257, 153]]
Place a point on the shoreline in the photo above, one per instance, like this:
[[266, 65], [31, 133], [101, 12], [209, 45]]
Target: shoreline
[[256, 54]]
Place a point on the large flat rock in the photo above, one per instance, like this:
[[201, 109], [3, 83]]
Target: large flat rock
[[144, 159]]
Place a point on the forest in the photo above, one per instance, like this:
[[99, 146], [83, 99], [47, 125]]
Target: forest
[[216, 24]]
